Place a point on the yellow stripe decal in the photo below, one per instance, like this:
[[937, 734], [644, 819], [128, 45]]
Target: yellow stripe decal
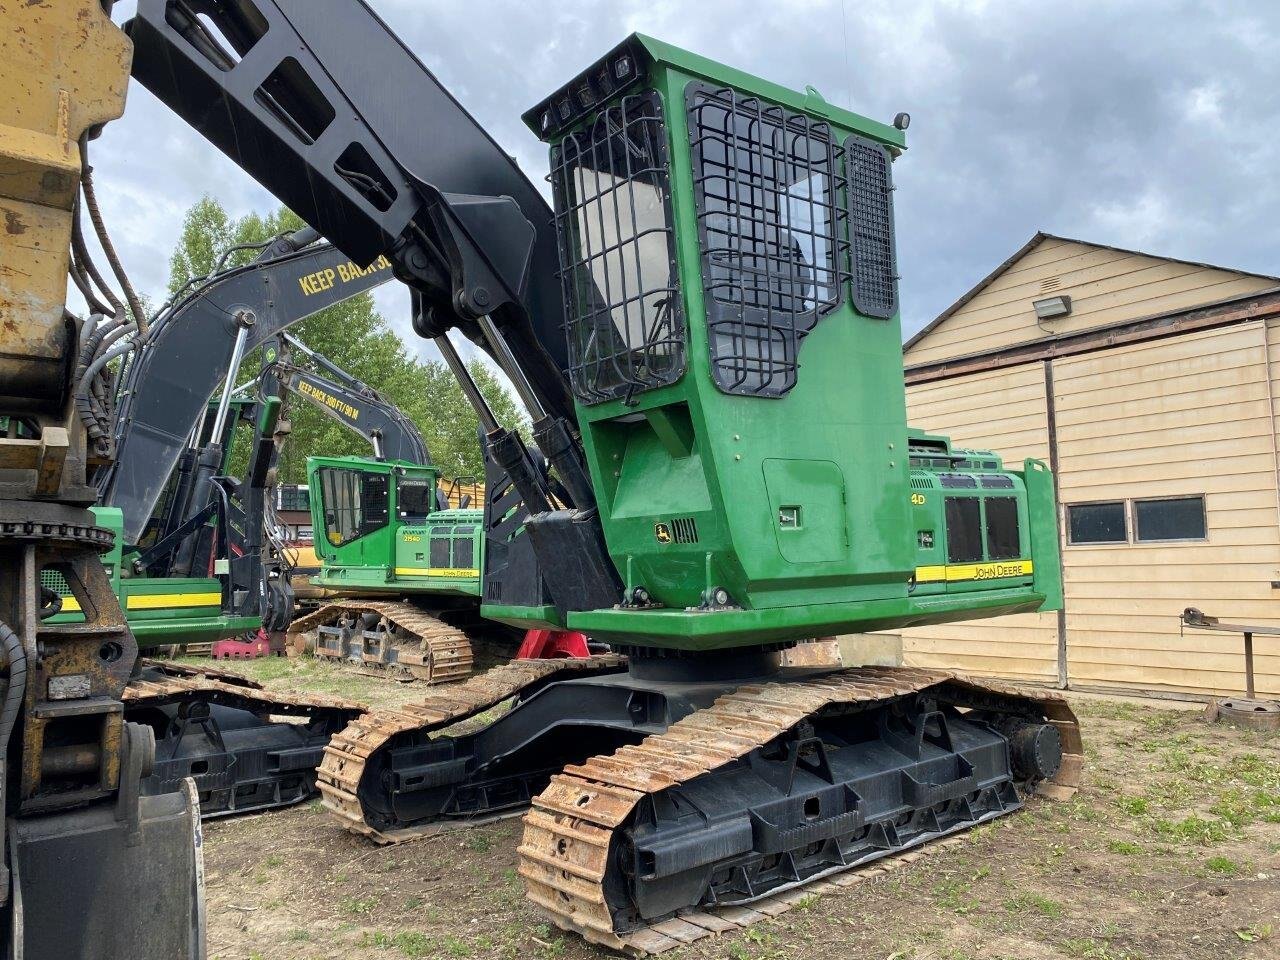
[[156, 601], [167, 601], [953, 573], [458, 573]]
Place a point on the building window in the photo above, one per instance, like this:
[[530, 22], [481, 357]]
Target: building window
[[1097, 523], [1002, 528], [294, 497], [964, 530], [1172, 518]]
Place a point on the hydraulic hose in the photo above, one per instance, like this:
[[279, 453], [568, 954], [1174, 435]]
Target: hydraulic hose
[[16, 685], [100, 228]]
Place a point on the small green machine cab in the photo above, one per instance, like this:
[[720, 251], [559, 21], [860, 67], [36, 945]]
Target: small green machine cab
[[736, 359], [379, 529], [406, 572]]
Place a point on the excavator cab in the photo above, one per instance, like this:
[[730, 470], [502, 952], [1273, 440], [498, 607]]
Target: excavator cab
[[734, 351], [381, 529]]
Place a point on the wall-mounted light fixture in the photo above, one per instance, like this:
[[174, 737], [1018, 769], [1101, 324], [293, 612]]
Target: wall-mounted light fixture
[[1052, 307]]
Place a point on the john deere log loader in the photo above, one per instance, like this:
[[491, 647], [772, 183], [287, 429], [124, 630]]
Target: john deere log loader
[[400, 569], [705, 333]]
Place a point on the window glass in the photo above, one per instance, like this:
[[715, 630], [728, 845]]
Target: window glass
[[294, 497], [340, 493], [765, 185], [375, 496], [1002, 528], [626, 327], [415, 498], [1176, 518], [964, 530], [1097, 523]]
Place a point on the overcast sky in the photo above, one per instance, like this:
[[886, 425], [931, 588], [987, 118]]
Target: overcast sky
[[1152, 125]]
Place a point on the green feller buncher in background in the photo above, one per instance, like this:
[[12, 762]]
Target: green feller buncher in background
[[375, 521], [705, 333]]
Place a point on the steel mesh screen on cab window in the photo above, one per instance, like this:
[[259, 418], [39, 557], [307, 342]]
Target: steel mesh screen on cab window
[[625, 324], [773, 247], [875, 273]]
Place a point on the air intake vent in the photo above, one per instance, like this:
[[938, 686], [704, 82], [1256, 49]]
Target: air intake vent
[[54, 580], [1051, 284], [685, 530], [922, 483], [958, 481], [999, 481]]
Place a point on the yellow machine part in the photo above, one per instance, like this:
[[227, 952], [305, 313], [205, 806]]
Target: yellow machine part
[[64, 69]]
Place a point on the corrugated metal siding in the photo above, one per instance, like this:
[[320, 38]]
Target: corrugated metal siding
[[1003, 411], [1186, 415], [1106, 286]]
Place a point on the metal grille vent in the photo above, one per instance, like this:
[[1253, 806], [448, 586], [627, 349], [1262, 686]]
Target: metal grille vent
[[684, 530], [998, 482], [922, 483], [439, 555], [958, 481], [52, 579], [875, 270], [625, 325], [1051, 284], [773, 247]]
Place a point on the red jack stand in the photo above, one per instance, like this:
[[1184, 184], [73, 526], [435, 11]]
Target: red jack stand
[[243, 649], [550, 644]]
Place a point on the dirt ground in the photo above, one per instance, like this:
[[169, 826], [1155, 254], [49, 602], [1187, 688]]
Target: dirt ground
[[1171, 850]]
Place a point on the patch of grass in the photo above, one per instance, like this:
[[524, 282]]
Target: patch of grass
[[412, 903], [274, 860], [1033, 901], [1255, 933], [805, 903], [298, 936], [1090, 949], [413, 943], [1126, 848], [1192, 829], [1223, 865], [954, 895], [1255, 770], [1134, 806], [455, 947], [479, 842], [359, 906]]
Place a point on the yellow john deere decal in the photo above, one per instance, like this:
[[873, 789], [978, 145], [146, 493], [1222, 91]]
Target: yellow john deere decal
[[973, 571], [458, 573]]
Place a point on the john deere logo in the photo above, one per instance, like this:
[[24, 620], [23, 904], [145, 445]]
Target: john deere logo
[[662, 532]]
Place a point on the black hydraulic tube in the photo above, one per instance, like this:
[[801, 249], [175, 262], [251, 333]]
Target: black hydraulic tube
[[472, 392], [550, 433], [505, 445]]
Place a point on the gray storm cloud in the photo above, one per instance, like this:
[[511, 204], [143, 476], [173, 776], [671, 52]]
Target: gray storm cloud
[[1150, 125]]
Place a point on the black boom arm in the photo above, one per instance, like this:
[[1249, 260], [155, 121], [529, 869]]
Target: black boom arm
[[192, 345], [354, 404]]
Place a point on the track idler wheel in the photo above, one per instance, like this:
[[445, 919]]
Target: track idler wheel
[[1035, 748]]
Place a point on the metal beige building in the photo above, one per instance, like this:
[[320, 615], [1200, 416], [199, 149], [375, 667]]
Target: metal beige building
[[1152, 387]]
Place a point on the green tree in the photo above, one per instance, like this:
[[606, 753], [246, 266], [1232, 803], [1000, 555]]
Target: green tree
[[355, 337]]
